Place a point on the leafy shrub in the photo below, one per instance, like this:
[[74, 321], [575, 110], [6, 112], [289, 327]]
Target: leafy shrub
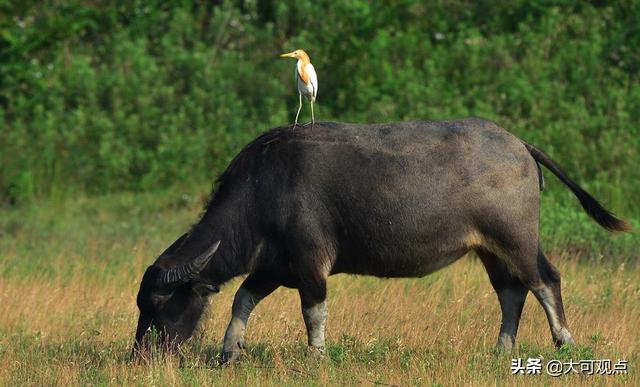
[[107, 96]]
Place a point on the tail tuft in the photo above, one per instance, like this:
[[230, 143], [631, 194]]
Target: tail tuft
[[604, 217], [595, 210]]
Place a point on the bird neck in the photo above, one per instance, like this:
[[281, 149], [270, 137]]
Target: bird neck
[[304, 59]]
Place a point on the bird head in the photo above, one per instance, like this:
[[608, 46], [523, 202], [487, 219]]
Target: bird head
[[297, 54]]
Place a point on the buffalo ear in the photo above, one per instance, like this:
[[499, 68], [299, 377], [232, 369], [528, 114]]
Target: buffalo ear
[[205, 289]]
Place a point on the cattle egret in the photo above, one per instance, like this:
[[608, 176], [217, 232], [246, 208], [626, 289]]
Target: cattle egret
[[306, 78]]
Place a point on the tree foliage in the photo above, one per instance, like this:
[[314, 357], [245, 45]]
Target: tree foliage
[[102, 96]]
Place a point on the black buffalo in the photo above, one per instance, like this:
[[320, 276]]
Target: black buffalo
[[391, 200]]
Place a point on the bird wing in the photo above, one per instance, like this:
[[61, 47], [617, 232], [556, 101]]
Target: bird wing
[[302, 73], [313, 78]]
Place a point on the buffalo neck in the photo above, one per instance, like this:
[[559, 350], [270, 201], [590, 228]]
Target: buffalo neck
[[226, 220]]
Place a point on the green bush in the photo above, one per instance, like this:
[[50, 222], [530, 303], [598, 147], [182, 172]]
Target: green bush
[[107, 96]]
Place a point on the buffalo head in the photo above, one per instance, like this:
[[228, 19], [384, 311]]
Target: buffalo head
[[171, 302]]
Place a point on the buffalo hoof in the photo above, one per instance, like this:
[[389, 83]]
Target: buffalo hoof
[[315, 353], [233, 355], [230, 357], [505, 343], [563, 338]]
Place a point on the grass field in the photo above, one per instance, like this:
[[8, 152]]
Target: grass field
[[70, 270]]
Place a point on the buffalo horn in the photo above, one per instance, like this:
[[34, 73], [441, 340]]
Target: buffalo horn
[[177, 276]]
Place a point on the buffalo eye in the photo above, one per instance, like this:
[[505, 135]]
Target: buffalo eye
[[160, 298], [206, 289]]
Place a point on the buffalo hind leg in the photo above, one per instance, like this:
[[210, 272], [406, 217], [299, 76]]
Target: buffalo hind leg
[[547, 291], [511, 294], [254, 288], [538, 274]]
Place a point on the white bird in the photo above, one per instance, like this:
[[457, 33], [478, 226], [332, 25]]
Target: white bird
[[306, 78]]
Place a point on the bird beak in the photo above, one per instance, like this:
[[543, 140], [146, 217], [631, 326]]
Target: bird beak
[[287, 55]]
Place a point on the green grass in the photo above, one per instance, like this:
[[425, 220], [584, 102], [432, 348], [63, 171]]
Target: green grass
[[69, 272]]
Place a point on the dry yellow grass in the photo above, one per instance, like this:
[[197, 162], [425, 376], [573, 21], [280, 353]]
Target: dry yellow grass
[[438, 330]]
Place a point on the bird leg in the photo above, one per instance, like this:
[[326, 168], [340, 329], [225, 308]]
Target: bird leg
[[299, 108], [313, 120]]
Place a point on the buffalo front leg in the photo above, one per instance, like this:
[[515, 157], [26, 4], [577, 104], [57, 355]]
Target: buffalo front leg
[[314, 312], [315, 319], [312, 266], [253, 290]]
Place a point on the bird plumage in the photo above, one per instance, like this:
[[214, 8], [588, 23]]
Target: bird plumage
[[306, 79]]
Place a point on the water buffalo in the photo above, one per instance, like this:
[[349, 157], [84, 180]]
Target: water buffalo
[[390, 200]]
